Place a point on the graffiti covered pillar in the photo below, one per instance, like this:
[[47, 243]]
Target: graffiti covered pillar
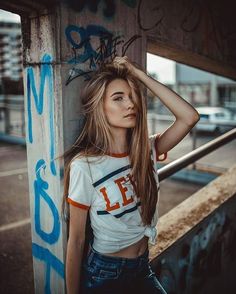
[[44, 138], [62, 46]]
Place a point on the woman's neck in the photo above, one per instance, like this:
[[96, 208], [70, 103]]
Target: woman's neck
[[119, 143]]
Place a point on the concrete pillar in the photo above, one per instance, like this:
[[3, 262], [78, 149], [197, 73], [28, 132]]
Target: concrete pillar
[[61, 48], [44, 138]]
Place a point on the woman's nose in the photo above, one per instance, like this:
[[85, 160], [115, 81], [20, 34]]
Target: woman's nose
[[129, 103]]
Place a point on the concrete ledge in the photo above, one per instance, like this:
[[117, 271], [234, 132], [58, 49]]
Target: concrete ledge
[[181, 219]]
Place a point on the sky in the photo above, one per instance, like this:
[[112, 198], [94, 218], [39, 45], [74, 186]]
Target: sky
[[164, 68], [5, 15]]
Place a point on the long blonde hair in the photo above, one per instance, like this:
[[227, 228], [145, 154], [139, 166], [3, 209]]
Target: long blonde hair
[[95, 137]]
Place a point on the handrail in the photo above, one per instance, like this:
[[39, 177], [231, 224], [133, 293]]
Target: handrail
[[196, 154]]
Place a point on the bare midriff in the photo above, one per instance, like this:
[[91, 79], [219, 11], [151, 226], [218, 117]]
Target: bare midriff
[[133, 250]]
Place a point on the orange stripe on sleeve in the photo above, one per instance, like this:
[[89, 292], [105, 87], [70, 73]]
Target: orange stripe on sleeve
[[74, 203], [157, 153]]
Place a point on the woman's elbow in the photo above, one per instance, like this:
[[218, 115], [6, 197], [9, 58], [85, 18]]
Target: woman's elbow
[[193, 119]]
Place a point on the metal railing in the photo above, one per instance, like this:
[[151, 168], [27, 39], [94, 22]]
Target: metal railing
[[196, 154]]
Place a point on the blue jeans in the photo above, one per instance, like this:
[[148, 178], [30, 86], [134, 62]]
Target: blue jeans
[[118, 275]]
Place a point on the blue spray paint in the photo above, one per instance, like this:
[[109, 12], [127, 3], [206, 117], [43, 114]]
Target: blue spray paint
[[85, 42], [40, 187], [46, 73], [106, 51], [51, 261]]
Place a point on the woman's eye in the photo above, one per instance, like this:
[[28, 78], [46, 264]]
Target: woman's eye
[[118, 98]]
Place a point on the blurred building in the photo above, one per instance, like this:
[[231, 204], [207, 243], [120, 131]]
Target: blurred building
[[10, 50], [198, 87], [204, 88], [11, 81]]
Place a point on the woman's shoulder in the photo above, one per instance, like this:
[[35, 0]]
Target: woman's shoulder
[[83, 162], [86, 166], [79, 161], [79, 167]]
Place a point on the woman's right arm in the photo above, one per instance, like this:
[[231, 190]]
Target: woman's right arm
[[75, 248]]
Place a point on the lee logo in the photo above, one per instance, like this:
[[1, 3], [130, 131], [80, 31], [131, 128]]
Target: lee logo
[[123, 190]]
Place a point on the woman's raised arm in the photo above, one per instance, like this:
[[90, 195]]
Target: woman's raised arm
[[185, 114]]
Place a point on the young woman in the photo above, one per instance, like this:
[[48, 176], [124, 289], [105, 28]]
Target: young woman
[[111, 177]]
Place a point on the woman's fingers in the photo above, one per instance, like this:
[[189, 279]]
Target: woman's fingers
[[122, 61]]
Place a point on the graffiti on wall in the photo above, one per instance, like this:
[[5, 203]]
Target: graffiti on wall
[[155, 13], [194, 15], [199, 259], [97, 45], [36, 100], [46, 75], [191, 16]]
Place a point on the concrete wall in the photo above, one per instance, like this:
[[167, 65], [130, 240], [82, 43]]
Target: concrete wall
[[90, 35], [197, 33], [197, 241]]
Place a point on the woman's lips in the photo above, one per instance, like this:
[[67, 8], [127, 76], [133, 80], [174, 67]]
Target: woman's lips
[[130, 115]]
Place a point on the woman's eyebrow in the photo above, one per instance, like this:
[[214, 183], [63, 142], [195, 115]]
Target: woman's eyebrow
[[117, 93]]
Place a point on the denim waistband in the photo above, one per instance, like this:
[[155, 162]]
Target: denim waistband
[[120, 260]]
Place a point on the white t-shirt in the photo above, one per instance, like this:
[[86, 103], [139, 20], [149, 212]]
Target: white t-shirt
[[104, 188]]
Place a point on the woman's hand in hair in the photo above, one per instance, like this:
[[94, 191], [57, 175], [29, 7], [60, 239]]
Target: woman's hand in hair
[[124, 61]]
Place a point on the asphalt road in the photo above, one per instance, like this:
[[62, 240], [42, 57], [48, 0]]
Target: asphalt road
[[16, 270]]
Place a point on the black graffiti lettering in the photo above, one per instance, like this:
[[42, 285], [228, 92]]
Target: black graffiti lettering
[[128, 43], [76, 72], [156, 11], [105, 52]]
